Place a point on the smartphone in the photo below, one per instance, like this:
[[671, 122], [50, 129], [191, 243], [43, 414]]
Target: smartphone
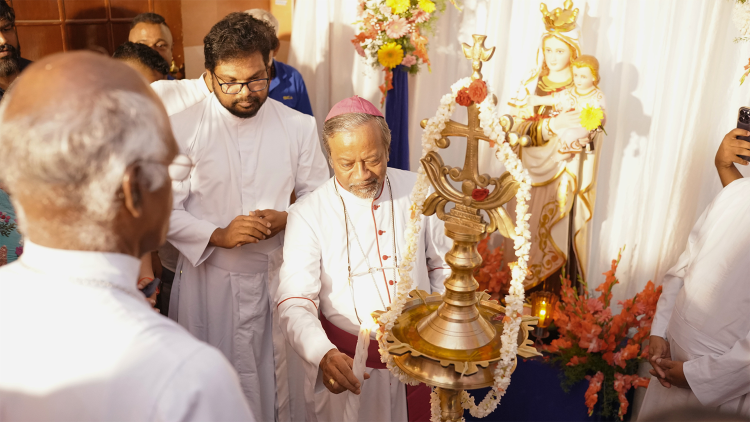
[[743, 122], [151, 287]]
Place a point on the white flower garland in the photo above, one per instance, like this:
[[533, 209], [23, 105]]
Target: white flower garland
[[514, 300]]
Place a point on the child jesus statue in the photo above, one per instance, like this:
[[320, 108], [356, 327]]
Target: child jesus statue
[[584, 93]]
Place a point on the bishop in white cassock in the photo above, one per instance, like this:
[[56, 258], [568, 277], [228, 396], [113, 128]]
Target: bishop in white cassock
[[704, 315], [356, 219], [250, 154]]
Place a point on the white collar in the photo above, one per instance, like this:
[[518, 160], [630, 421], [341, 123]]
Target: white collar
[[118, 269]]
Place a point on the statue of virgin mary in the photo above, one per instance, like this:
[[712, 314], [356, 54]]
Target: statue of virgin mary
[[559, 179]]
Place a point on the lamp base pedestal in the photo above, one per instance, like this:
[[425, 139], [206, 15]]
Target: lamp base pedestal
[[450, 405]]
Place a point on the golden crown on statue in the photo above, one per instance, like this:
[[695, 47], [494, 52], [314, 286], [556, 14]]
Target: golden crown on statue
[[560, 20]]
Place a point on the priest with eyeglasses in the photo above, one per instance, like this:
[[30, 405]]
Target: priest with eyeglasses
[[250, 154], [344, 244]]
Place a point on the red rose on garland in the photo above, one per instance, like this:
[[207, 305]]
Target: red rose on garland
[[478, 91], [463, 97]]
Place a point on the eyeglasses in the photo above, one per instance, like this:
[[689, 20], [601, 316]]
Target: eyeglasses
[[234, 88], [178, 169]]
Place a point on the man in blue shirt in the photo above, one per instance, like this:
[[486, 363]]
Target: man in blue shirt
[[287, 86]]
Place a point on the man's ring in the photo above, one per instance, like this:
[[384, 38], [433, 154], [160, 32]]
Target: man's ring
[[332, 381]]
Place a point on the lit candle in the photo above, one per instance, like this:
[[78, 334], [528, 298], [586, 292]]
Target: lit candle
[[351, 411]]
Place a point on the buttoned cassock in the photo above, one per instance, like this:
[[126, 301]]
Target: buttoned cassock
[[241, 165], [314, 277], [704, 311]]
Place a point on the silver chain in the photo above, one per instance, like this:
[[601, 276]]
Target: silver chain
[[348, 221]]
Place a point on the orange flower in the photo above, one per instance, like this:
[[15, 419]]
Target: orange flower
[[640, 382], [628, 352], [387, 85], [588, 323], [576, 360], [494, 275], [622, 385], [463, 98], [591, 396], [478, 91], [420, 49]]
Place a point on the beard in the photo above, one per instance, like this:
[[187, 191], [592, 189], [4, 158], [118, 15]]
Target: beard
[[245, 112], [10, 65], [365, 190]]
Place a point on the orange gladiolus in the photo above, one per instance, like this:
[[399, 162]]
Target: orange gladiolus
[[587, 321], [591, 395]]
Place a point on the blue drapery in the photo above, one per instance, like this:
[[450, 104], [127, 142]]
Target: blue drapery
[[397, 117]]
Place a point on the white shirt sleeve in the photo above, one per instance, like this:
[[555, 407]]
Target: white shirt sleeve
[[190, 235], [312, 170], [716, 379], [203, 388], [297, 297], [437, 244]]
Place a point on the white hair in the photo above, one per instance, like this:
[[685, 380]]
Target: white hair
[[74, 155], [265, 15]]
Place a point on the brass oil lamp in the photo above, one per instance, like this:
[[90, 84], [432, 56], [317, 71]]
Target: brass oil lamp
[[453, 341]]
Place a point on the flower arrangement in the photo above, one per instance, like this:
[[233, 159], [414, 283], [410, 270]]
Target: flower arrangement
[[514, 300], [741, 19], [493, 275], [390, 33], [595, 345]]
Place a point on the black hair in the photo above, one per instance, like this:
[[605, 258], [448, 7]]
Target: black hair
[[142, 54], [238, 35], [7, 13], [148, 17]]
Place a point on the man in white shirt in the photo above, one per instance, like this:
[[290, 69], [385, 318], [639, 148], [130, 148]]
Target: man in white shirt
[[88, 162], [343, 246], [700, 338], [250, 154]]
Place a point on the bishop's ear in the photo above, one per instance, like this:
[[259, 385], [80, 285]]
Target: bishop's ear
[[131, 190]]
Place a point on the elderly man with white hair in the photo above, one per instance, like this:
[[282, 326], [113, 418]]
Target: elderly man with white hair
[[88, 162], [343, 247]]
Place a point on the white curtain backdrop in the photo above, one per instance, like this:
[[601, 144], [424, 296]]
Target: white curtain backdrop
[[670, 72]]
